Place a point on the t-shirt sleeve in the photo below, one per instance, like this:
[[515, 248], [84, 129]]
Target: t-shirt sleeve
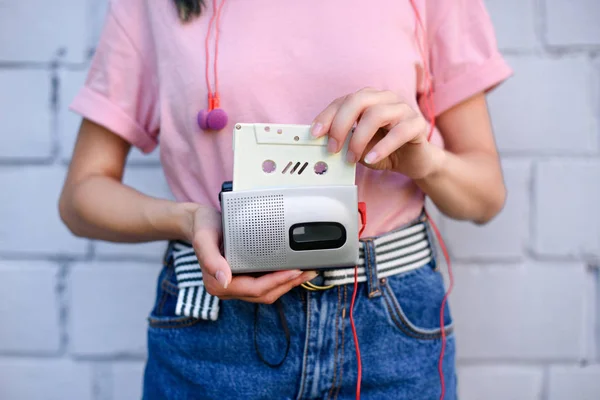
[[120, 91], [464, 55]]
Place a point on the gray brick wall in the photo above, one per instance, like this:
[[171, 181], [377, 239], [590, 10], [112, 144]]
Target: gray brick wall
[[527, 285]]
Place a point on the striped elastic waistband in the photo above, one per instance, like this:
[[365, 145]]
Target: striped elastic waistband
[[392, 253], [398, 251]]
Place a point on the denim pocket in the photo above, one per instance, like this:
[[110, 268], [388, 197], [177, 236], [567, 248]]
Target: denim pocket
[[413, 303], [163, 312]]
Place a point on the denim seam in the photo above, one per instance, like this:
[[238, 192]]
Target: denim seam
[[164, 287], [400, 326], [408, 329], [169, 287], [407, 321], [335, 350], [305, 355], [161, 303], [368, 264], [173, 324], [339, 387]]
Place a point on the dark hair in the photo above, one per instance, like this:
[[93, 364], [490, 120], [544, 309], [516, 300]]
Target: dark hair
[[189, 9]]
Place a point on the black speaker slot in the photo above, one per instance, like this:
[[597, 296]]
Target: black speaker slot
[[317, 236]]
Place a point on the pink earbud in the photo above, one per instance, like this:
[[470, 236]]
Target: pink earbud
[[212, 120]]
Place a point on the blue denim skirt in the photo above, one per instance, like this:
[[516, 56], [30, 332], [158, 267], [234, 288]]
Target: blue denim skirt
[[250, 352]]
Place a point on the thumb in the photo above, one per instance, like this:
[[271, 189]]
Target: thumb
[[206, 246]]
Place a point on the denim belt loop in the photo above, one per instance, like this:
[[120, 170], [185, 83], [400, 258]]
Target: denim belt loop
[[168, 254], [371, 269]]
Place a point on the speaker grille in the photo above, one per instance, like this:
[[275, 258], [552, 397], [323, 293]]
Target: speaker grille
[[256, 226]]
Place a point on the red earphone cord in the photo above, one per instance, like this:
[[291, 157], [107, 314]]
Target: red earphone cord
[[431, 113], [213, 102], [213, 97]]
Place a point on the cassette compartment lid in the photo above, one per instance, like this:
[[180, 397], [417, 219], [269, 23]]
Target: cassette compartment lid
[[282, 155]]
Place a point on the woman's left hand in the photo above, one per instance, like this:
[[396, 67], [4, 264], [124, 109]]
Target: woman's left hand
[[389, 135]]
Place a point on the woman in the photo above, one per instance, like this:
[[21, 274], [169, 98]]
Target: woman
[[388, 70]]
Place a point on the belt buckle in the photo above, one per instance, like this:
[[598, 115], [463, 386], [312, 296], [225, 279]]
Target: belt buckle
[[314, 284]]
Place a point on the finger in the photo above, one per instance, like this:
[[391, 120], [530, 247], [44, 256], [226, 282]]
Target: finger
[[374, 118], [271, 296], [213, 264], [247, 286], [350, 111], [397, 137], [322, 122]]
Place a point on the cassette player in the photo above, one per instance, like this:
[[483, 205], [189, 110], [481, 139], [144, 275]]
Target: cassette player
[[291, 204]]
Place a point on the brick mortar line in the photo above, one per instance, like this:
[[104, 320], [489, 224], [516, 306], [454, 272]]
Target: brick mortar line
[[134, 164], [26, 161], [62, 290], [108, 357], [33, 355], [595, 82], [512, 362], [533, 364], [594, 155], [544, 395], [56, 258], [595, 272], [55, 85], [530, 249], [23, 356], [82, 260], [102, 381]]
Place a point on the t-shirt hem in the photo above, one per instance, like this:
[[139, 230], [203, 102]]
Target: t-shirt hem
[[97, 108]]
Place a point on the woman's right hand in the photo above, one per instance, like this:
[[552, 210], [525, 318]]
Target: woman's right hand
[[205, 234]]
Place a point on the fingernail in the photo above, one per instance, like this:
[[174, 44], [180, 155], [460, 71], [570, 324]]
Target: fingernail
[[351, 157], [316, 129], [295, 274], [311, 275], [371, 158], [220, 275], [332, 145]]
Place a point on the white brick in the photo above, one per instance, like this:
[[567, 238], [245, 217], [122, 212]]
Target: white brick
[[528, 312], [499, 383], [109, 306], [572, 23], [35, 30], [127, 380], [567, 217], [25, 104], [506, 236], [29, 309], [68, 122], [36, 379], [150, 181], [514, 23], [573, 382], [30, 219], [546, 107]]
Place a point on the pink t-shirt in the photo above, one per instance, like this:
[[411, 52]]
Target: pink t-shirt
[[279, 62]]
